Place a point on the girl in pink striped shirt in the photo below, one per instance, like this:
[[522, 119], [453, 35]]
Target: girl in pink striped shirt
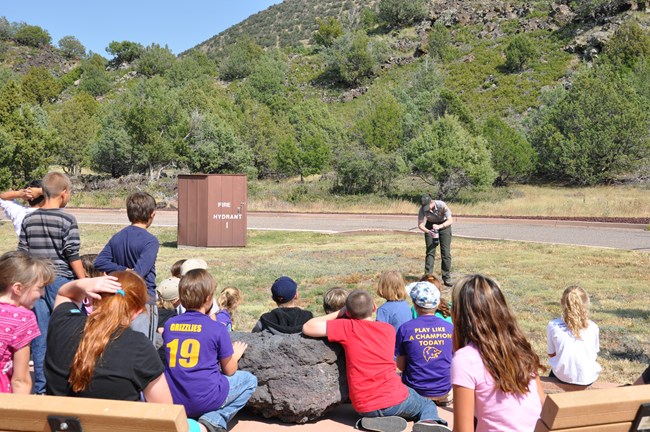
[[22, 278]]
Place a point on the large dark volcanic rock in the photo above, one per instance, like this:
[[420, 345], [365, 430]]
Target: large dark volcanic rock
[[299, 378]]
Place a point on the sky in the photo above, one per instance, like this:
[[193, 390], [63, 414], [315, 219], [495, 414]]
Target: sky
[[179, 24]]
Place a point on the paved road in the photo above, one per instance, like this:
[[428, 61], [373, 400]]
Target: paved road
[[617, 236]]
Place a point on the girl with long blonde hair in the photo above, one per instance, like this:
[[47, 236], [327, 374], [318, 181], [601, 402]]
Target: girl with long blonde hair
[[99, 355], [573, 340], [494, 371]]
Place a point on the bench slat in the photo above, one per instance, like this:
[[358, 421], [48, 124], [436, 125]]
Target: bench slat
[[614, 427], [28, 413], [593, 407]]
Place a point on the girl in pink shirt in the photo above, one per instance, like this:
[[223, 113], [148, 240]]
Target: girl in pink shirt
[[22, 278], [494, 371]]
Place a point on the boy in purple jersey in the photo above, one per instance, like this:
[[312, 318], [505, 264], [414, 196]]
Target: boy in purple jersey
[[424, 346], [201, 361]]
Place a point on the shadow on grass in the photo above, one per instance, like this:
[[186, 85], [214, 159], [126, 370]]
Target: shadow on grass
[[631, 354], [169, 244], [628, 313]]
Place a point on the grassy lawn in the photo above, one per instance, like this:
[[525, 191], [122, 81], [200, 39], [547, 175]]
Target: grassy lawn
[[532, 276], [515, 200]]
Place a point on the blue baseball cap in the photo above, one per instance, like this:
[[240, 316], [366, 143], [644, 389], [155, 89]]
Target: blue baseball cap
[[284, 289], [425, 295]]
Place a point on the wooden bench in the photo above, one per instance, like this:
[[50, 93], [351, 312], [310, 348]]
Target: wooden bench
[[553, 385], [604, 410], [29, 413]]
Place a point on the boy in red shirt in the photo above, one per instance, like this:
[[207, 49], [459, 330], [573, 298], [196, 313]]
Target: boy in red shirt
[[376, 391]]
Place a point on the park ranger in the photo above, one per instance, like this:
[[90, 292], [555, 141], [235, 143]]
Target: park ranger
[[435, 220]]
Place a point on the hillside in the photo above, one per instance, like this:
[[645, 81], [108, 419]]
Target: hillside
[[563, 33], [386, 97], [288, 24]]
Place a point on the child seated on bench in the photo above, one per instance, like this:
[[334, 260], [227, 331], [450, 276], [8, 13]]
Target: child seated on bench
[[424, 346], [396, 310], [573, 340], [100, 356], [201, 362], [376, 391], [494, 371], [22, 278]]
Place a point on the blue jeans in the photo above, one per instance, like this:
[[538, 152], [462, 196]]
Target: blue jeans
[[415, 407], [242, 386], [43, 309]]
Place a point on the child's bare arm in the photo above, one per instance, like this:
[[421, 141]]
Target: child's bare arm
[[401, 362], [158, 391], [21, 381], [229, 364], [12, 195], [78, 269], [463, 409], [317, 327], [76, 290]]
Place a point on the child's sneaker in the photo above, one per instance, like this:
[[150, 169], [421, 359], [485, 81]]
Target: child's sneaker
[[382, 424], [210, 427], [430, 426]]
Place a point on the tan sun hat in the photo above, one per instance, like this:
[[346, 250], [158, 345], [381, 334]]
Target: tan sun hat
[[193, 264], [168, 289]]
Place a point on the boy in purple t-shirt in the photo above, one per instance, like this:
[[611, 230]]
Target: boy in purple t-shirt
[[201, 361], [424, 346]]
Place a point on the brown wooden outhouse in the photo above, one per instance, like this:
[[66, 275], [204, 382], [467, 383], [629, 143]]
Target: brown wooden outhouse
[[212, 210]]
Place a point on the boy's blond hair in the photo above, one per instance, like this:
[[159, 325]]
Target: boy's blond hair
[[54, 183], [334, 299], [391, 286]]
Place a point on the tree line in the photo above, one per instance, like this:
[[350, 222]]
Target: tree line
[[247, 110]]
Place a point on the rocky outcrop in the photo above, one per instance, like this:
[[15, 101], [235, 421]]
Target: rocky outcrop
[[299, 378]]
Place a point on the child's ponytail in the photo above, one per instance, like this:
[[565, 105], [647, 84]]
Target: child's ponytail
[[575, 309], [229, 299], [110, 317]]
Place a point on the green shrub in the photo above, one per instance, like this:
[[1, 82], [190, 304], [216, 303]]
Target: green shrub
[[124, 52], [71, 48], [448, 157], [354, 57], [33, 36], [155, 60], [363, 171], [328, 30], [593, 132], [518, 52], [628, 45], [512, 155], [400, 13], [239, 59], [440, 42]]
